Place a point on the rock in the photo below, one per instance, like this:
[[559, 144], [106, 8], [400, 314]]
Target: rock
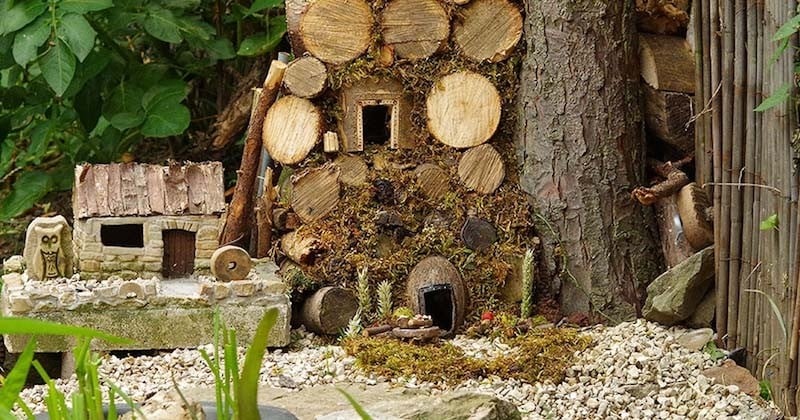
[[729, 373], [167, 405], [468, 406], [14, 264], [12, 280], [675, 295], [244, 288], [478, 234], [703, 316], [697, 339]]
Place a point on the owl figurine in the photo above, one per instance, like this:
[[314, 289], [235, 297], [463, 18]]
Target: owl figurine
[[48, 248]]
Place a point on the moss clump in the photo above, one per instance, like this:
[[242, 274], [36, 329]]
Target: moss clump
[[540, 355]]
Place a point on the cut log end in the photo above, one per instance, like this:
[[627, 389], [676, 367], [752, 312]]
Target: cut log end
[[463, 109], [291, 129], [329, 310], [481, 169], [337, 31], [230, 263], [353, 170], [667, 63], [306, 77], [692, 204], [490, 30], [316, 193], [301, 248], [433, 181], [415, 29]]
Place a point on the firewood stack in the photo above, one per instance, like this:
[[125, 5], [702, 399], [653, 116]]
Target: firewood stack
[[412, 99], [668, 83]]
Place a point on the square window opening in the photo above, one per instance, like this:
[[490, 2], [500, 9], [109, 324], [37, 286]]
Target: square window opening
[[125, 236], [376, 124]]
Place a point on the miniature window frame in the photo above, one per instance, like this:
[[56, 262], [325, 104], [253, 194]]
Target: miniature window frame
[[394, 125], [121, 250]]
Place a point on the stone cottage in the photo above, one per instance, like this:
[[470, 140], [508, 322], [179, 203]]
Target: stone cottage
[[140, 220]]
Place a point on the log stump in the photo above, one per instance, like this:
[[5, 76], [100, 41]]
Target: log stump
[[300, 247], [337, 31], [415, 29], [481, 169], [291, 129], [489, 31], [306, 77], [692, 204], [667, 63], [329, 310], [315, 193], [463, 109]]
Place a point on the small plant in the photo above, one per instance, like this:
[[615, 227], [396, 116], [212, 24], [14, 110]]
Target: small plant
[[362, 289], [713, 351], [384, 300], [237, 395], [765, 390], [527, 285], [354, 326]]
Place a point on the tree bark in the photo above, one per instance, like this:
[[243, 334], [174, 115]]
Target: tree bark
[[580, 143]]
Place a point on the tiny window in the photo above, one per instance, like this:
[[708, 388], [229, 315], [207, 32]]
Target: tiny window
[[126, 236], [376, 124]]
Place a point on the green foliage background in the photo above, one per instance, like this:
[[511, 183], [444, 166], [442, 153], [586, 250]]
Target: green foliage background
[[89, 80]]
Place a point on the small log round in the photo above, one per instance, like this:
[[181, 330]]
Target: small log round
[[300, 248], [291, 129], [316, 193], [692, 204], [478, 234], [463, 109], [295, 9], [415, 28], [230, 263], [337, 31], [432, 180], [329, 310], [481, 169], [665, 61], [489, 30], [353, 170], [285, 220], [306, 77]]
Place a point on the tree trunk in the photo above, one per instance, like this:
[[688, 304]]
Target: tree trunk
[[580, 144]]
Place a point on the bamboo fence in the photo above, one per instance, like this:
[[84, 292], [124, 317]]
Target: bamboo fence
[[747, 162]]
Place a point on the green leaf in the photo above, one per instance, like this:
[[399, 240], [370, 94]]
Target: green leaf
[[356, 406], [166, 119], [27, 41], [161, 24], [29, 326], [125, 98], [172, 91], [58, 67], [88, 105], [247, 397], [220, 49], [21, 14], [126, 120], [28, 189], [194, 27], [259, 5], [788, 29], [41, 135], [262, 43], [769, 223], [78, 34], [765, 390], [15, 381], [778, 97], [84, 6]]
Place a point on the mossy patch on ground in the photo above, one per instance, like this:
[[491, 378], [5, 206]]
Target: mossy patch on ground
[[540, 355]]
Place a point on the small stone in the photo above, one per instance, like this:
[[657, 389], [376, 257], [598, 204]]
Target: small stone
[[244, 288], [697, 339], [20, 304], [221, 290], [14, 264], [12, 280], [592, 403]]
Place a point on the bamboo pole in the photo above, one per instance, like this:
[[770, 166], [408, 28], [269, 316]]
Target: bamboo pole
[[699, 96], [708, 92], [716, 121], [726, 113], [756, 241]]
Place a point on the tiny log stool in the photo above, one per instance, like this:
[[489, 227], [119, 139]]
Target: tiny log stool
[[418, 334]]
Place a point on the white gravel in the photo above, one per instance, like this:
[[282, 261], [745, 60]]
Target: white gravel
[[634, 371]]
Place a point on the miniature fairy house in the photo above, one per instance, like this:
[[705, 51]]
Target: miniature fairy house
[[412, 100], [139, 220]]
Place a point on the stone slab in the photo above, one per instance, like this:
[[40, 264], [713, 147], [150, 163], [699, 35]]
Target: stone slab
[[160, 327]]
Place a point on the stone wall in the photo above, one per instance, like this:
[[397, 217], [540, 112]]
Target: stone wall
[[95, 260]]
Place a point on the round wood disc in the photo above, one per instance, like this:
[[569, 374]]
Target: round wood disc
[[432, 180], [489, 30], [692, 203], [481, 169], [291, 129], [415, 28], [337, 31], [316, 193], [305, 77], [478, 234], [353, 170], [230, 263], [463, 109]]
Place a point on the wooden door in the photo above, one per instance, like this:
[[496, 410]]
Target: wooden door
[[178, 253]]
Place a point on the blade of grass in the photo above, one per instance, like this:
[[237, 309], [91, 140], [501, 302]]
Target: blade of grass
[[7, 415], [112, 405], [247, 396], [55, 401], [232, 371], [356, 406], [775, 310], [185, 402], [15, 380], [25, 409], [19, 325], [128, 400]]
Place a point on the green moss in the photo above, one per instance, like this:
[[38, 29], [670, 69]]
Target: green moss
[[540, 355]]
